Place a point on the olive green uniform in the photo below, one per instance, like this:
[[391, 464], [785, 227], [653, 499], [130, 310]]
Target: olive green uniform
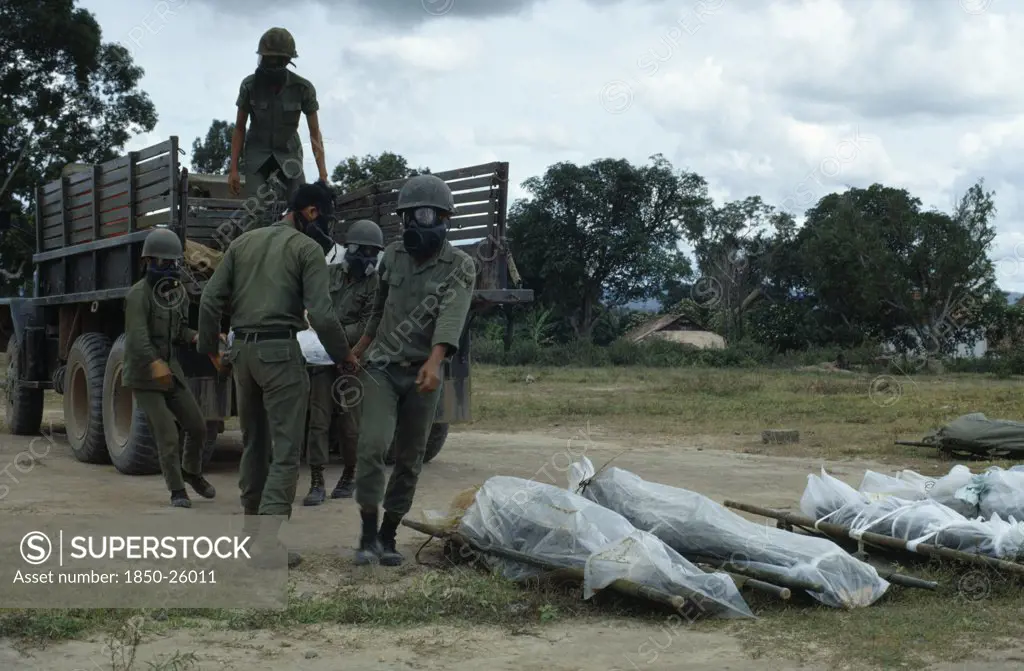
[[417, 308], [353, 305], [265, 280], [152, 330], [273, 150]]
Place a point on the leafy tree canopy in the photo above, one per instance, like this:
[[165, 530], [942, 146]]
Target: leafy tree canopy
[[65, 96]]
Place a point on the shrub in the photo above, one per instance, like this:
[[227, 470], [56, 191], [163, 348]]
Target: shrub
[[666, 354]]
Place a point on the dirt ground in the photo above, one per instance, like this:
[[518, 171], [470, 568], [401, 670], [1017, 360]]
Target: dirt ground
[[715, 466]]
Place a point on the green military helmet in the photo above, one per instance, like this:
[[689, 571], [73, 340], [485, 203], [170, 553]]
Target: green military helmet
[[277, 42], [426, 191], [364, 233], [162, 243]]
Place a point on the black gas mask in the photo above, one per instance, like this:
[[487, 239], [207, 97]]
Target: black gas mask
[[272, 70], [319, 196], [360, 260], [425, 232], [319, 229], [162, 269]]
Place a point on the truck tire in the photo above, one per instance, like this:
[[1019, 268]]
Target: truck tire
[[83, 398], [130, 442], [435, 441], [24, 406], [139, 454]]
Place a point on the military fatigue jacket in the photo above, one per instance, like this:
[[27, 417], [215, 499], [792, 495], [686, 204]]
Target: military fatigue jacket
[[419, 306], [353, 301], [274, 121], [153, 326], [265, 279]]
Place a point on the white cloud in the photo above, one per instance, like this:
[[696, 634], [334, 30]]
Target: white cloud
[[438, 54], [759, 96]]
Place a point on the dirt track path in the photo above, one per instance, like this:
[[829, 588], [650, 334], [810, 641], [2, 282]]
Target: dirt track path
[[59, 484]]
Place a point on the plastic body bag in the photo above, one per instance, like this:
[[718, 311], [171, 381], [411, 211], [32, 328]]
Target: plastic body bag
[[693, 524], [994, 492], [335, 255], [997, 492], [564, 529], [913, 486], [312, 350], [827, 499]]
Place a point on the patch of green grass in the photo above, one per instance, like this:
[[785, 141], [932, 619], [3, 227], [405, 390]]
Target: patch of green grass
[[446, 596], [973, 610], [907, 628], [838, 414]]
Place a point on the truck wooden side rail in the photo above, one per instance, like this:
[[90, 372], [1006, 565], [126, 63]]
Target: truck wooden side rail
[[481, 199], [69, 336], [91, 224]]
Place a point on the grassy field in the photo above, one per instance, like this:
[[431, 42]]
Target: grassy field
[[839, 415]]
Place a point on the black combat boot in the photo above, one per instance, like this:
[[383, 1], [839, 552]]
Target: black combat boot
[[389, 555], [317, 489], [345, 487], [200, 484], [179, 499], [369, 546]]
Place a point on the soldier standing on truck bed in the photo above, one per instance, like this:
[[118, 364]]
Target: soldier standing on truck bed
[[274, 99], [353, 286], [265, 279], [426, 286], [156, 320]]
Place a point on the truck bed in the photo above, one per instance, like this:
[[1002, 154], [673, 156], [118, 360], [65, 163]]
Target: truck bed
[[93, 221]]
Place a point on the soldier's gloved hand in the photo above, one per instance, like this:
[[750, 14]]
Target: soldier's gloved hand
[[219, 363], [429, 377], [161, 372], [349, 364]]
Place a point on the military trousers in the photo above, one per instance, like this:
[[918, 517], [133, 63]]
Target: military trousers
[[273, 392], [268, 190], [164, 411], [392, 409], [332, 395]]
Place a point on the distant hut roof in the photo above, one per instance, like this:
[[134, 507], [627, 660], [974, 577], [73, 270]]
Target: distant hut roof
[[657, 324]]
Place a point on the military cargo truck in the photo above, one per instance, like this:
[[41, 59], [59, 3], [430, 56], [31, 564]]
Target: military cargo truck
[[68, 336]]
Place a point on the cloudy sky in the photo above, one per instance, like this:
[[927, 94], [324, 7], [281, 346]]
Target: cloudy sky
[[788, 99]]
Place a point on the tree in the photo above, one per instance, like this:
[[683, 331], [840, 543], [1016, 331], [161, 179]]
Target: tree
[[873, 258], [606, 233], [734, 245], [355, 172], [65, 96], [212, 156], [675, 290]]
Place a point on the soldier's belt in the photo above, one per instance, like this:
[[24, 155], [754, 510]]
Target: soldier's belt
[[256, 336]]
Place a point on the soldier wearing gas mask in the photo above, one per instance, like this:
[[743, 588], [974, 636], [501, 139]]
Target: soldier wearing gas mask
[[426, 286], [353, 286], [265, 279], [156, 321], [274, 99]]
